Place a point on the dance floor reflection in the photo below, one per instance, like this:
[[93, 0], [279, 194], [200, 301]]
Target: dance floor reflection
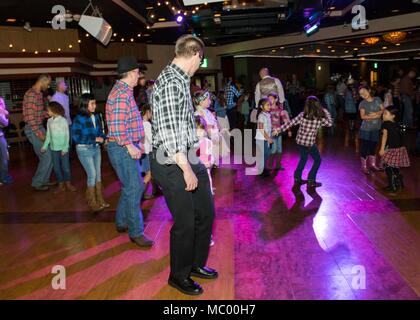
[[347, 240]]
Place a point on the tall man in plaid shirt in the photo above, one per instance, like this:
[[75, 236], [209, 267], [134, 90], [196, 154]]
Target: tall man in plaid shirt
[[34, 113], [126, 136], [185, 183]]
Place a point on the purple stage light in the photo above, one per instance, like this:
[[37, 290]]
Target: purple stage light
[[179, 18]]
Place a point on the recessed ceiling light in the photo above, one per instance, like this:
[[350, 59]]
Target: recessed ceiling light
[[139, 35], [70, 46], [355, 49], [363, 43], [122, 39], [10, 45], [347, 41], [384, 48], [49, 51], [79, 41], [329, 47], [87, 35], [318, 50], [162, 19], [395, 10], [132, 40], [23, 50], [59, 49], [301, 49], [11, 20], [282, 48], [332, 50], [115, 34], [347, 51], [36, 52], [398, 44], [274, 50]]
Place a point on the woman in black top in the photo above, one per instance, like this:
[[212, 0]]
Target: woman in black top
[[392, 150]]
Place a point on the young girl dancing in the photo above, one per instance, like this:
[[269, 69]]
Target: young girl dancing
[[58, 139], [263, 135], [278, 117], [392, 151], [310, 120], [371, 109], [87, 133]]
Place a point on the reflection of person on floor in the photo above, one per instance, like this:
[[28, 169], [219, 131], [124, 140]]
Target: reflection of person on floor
[[310, 120], [392, 151], [185, 183]]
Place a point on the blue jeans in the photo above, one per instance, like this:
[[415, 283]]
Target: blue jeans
[[263, 152], [276, 147], [304, 152], [61, 166], [43, 171], [129, 173], [90, 158], [4, 162], [145, 163], [408, 110]]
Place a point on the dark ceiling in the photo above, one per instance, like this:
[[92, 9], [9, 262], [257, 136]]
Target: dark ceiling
[[238, 20]]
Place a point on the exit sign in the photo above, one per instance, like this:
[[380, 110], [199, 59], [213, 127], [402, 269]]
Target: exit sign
[[205, 63]]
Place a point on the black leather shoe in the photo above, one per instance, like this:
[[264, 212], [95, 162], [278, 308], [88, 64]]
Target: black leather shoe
[[186, 286], [204, 273], [122, 229], [143, 241]]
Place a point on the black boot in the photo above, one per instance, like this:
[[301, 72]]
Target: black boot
[[398, 179], [392, 185]]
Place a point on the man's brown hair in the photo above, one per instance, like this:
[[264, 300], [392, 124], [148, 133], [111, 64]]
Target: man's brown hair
[[188, 45]]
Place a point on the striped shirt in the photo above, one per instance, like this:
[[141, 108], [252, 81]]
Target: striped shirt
[[123, 117], [173, 127], [308, 129]]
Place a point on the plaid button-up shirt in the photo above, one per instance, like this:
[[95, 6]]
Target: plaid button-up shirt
[[34, 111], [230, 94], [123, 117], [308, 129], [173, 127]]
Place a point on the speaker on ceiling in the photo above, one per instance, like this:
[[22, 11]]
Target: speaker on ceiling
[[97, 27]]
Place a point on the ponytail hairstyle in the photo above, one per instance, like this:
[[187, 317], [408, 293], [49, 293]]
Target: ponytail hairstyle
[[261, 104], [313, 109]]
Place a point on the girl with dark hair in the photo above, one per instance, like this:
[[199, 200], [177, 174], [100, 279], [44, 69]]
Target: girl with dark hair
[[4, 152], [310, 120], [371, 109], [88, 134], [58, 140], [278, 117], [263, 136], [392, 151]]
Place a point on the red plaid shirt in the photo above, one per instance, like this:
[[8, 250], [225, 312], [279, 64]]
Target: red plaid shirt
[[34, 111], [123, 117], [308, 129]]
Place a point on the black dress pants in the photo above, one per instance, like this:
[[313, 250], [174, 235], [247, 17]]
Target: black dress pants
[[193, 214]]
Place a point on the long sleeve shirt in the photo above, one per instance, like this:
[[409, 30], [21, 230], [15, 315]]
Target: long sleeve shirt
[[267, 85], [34, 110], [58, 135], [123, 117], [85, 129], [231, 92], [173, 127], [4, 122], [308, 129], [63, 99]]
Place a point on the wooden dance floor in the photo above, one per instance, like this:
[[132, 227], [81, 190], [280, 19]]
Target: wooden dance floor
[[272, 242]]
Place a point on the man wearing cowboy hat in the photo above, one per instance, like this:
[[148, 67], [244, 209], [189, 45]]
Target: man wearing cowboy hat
[[126, 136]]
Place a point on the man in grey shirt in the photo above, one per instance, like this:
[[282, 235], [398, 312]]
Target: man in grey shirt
[[63, 99]]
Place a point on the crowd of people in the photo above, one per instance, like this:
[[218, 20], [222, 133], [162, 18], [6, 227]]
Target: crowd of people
[[147, 121]]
